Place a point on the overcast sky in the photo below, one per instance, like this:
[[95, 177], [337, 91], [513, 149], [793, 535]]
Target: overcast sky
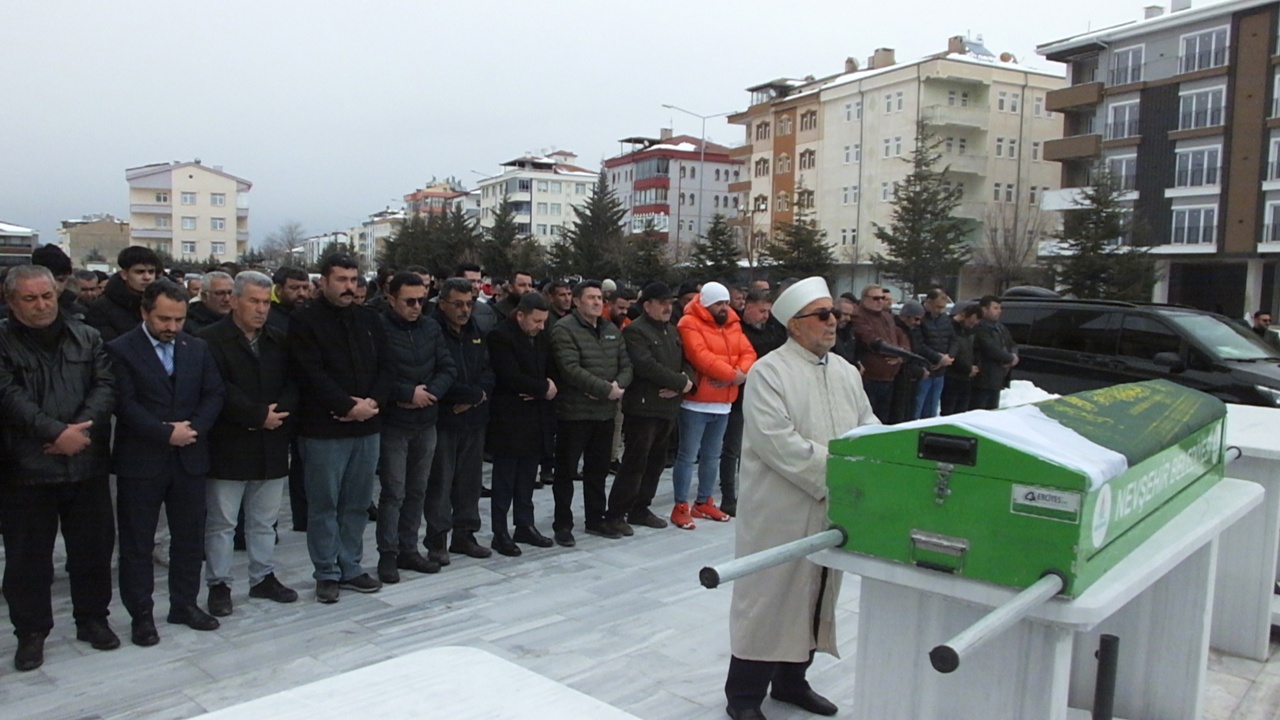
[[336, 109]]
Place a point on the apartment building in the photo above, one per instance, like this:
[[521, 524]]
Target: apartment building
[[189, 210], [437, 198], [675, 183], [16, 244], [834, 148], [368, 240], [96, 238], [543, 189], [1181, 108]]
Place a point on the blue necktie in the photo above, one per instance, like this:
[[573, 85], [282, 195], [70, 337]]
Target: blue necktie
[[166, 356]]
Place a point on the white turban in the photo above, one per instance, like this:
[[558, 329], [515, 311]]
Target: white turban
[[795, 298]]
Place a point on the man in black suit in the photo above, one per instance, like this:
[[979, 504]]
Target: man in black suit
[[995, 354], [169, 396]]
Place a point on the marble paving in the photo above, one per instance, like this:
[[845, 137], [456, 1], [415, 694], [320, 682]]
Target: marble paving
[[624, 621]]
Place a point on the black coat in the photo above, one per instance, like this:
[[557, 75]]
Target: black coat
[[118, 311], [416, 355], [44, 388], [657, 363], [993, 349], [240, 449], [520, 427], [473, 384], [337, 354], [199, 317]]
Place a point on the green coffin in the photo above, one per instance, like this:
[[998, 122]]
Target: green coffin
[[1068, 486]]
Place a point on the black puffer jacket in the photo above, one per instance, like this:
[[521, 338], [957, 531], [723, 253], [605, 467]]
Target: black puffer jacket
[[588, 360], [939, 333], [657, 363], [48, 381], [417, 355], [199, 317], [118, 311], [338, 353], [473, 384]]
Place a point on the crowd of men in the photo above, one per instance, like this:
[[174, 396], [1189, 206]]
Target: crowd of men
[[208, 399]]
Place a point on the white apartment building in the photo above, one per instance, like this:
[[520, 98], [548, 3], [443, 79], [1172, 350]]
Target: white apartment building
[[190, 210], [836, 146], [543, 190], [312, 249], [16, 244]]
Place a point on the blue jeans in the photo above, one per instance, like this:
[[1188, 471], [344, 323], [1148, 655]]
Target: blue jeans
[[339, 477], [929, 396], [261, 502], [701, 436]]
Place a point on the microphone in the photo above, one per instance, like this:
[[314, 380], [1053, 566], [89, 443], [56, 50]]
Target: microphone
[[883, 348]]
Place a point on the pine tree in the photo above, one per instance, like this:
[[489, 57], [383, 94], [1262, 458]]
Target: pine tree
[[593, 246], [799, 248], [924, 243], [499, 240], [715, 255], [409, 244], [1095, 265], [648, 258], [457, 241]]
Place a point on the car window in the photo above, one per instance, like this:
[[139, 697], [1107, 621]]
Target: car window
[[1018, 320], [1143, 336], [1084, 330], [1223, 338]]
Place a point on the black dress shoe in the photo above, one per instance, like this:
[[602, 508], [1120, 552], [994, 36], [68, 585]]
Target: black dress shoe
[[530, 536], [504, 545], [30, 653], [603, 529], [414, 561], [464, 543], [193, 617], [144, 632], [98, 634], [806, 699], [486, 492], [745, 713], [564, 538], [219, 600]]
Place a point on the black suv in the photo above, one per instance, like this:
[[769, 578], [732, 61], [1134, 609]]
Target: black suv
[[1066, 346]]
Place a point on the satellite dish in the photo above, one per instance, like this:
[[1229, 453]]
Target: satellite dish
[[1007, 57]]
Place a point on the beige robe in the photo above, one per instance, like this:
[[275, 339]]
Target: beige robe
[[792, 408]]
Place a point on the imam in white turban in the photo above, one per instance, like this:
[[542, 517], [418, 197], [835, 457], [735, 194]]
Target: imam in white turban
[[795, 298]]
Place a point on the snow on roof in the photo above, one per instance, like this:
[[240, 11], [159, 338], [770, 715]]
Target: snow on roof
[[679, 147], [9, 229]]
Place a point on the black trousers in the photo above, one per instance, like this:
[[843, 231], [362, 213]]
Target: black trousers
[[513, 479], [31, 515], [644, 457], [955, 395], [297, 488], [138, 502], [880, 395], [590, 441], [749, 680], [984, 399], [731, 455]]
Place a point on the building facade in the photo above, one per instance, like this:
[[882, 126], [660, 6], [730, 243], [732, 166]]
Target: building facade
[[674, 184], [96, 239], [437, 198], [832, 149], [189, 210], [1181, 109], [16, 244], [543, 190]]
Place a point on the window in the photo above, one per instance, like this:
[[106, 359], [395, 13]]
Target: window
[[693, 172], [897, 146], [162, 196], [542, 186], [523, 185], [1038, 106], [999, 147], [1195, 225], [684, 172], [693, 199], [848, 154], [556, 229], [848, 112], [961, 143], [995, 195], [1008, 192], [715, 201], [1195, 168], [188, 248], [809, 120], [884, 191], [164, 221], [1126, 66], [888, 147], [857, 110], [762, 167], [188, 223], [1075, 330], [188, 198], [784, 164], [541, 229], [897, 97], [557, 188], [217, 223], [857, 152], [949, 144], [888, 103], [1035, 150], [1124, 171], [804, 199], [1014, 99], [808, 160], [1031, 195], [1200, 109], [762, 131], [1122, 121], [218, 199], [579, 188], [1013, 148], [1142, 337], [555, 208], [1003, 101], [219, 248], [952, 97], [784, 125], [854, 195], [1203, 50], [682, 196], [964, 99], [784, 201], [542, 208], [717, 174], [844, 195], [761, 203]]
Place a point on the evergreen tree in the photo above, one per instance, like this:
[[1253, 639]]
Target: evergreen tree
[[715, 255], [1104, 257], [456, 240], [924, 243], [409, 245], [333, 246], [500, 240], [648, 258], [593, 246], [799, 248]]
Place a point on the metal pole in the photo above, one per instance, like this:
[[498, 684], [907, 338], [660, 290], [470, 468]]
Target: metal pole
[[712, 577], [946, 658], [702, 171], [1104, 689]]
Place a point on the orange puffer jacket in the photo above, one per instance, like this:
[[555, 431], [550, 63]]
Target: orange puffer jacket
[[714, 351]]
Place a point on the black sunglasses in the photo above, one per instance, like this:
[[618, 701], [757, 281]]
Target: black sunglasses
[[414, 302], [823, 315]]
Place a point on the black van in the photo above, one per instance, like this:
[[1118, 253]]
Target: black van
[[1065, 346]]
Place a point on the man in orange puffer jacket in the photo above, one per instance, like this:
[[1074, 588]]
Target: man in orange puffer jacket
[[721, 355]]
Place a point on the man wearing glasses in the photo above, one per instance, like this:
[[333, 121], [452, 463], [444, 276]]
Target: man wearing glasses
[[215, 302], [798, 398], [873, 323]]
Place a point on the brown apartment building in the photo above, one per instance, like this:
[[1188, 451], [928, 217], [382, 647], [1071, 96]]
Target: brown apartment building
[[1181, 108]]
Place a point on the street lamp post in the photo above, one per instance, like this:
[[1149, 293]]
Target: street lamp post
[[702, 158]]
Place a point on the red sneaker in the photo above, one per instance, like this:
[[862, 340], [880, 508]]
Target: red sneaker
[[680, 517], [709, 511]]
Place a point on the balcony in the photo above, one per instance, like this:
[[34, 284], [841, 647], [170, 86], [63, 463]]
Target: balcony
[[1200, 119], [742, 151], [740, 187], [151, 208], [152, 233], [1202, 60], [1270, 236], [1073, 148], [1196, 177], [1075, 97], [1122, 129], [242, 236], [1124, 75], [963, 164], [242, 212], [956, 116]]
